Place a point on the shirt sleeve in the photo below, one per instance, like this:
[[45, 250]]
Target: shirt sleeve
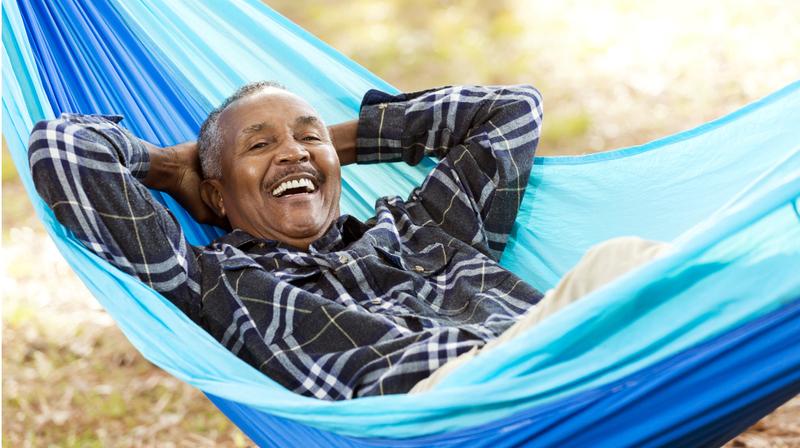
[[485, 138], [88, 170]]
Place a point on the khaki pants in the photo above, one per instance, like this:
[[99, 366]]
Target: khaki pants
[[600, 265]]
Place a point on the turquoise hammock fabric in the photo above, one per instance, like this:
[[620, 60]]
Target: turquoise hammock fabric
[[687, 350]]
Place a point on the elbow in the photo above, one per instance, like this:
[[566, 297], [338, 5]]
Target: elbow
[[40, 146], [529, 99], [42, 143], [50, 147], [43, 153], [527, 90], [530, 95], [59, 139]]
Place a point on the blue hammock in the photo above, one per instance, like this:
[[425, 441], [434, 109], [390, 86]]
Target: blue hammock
[[687, 350]]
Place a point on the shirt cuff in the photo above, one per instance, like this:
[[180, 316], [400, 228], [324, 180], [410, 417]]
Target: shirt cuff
[[380, 128], [138, 157]]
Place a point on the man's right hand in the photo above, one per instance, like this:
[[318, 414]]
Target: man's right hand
[[176, 170]]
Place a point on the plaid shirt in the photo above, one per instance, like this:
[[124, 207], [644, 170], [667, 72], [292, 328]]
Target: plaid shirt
[[371, 308]]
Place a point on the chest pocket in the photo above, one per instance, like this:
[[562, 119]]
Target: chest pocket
[[430, 261], [243, 275]]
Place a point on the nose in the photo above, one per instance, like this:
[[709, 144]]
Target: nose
[[291, 153]]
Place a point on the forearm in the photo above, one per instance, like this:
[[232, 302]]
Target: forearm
[[83, 152], [163, 167], [485, 138], [89, 171], [343, 137], [412, 125]]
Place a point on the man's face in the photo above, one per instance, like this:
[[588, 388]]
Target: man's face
[[280, 173]]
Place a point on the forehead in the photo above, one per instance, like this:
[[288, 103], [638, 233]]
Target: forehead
[[272, 107]]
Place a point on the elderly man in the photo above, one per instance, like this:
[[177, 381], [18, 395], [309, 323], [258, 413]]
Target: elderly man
[[324, 304]]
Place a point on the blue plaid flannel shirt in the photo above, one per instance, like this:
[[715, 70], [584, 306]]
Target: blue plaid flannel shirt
[[372, 307]]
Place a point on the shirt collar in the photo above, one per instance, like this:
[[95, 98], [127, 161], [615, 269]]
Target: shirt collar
[[343, 231], [240, 239]]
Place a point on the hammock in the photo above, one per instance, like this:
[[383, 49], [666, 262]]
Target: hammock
[[687, 350]]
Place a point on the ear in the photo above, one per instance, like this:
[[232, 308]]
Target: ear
[[211, 193]]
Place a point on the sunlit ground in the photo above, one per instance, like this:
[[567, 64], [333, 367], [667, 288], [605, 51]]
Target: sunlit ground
[[613, 73]]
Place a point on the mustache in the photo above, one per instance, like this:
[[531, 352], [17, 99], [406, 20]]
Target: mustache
[[319, 177]]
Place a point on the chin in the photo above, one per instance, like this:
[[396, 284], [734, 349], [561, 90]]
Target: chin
[[305, 229]]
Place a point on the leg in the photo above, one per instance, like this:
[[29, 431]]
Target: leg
[[600, 265]]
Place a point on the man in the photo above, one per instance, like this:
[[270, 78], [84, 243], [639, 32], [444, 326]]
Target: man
[[323, 304]]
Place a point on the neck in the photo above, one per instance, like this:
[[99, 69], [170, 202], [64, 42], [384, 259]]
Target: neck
[[299, 242]]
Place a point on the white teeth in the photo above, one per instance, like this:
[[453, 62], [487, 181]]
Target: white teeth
[[296, 183]]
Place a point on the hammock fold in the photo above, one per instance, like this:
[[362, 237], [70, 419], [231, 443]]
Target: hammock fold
[[689, 349]]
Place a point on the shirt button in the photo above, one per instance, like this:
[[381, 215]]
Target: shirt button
[[376, 301], [343, 259], [419, 268]]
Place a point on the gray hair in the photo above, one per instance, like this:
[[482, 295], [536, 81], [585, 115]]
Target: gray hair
[[209, 142]]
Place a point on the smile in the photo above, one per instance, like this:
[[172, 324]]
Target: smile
[[294, 186]]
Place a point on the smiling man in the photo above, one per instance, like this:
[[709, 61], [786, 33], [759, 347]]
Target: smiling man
[[266, 154], [324, 304]]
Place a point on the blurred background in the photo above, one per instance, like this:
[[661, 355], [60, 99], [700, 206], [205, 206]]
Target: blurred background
[[613, 73]]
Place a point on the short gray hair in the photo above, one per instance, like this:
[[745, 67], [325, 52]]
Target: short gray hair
[[209, 142]]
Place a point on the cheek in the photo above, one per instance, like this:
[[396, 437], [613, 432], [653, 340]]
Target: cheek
[[249, 173], [328, 163], [333, 185], [242, 192], [247, 179]]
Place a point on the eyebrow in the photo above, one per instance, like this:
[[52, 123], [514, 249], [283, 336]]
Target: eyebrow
[[299, 121], [258, 127], [307, 120]]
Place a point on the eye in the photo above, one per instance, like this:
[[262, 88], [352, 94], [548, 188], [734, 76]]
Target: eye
[[259, 145], [311, 138]]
